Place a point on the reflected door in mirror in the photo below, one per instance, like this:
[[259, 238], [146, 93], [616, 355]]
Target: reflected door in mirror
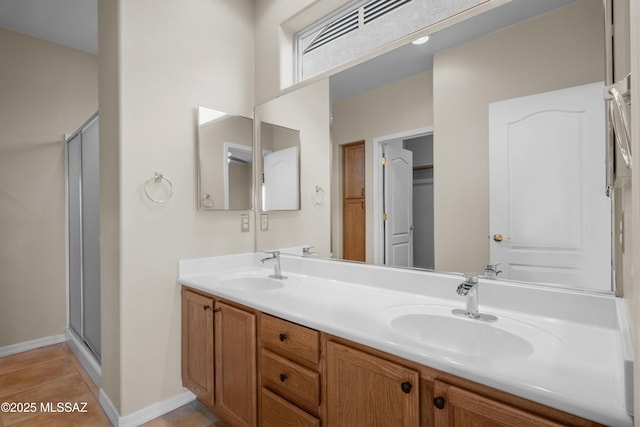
[[353, 202], [280, 167], [549, 212]]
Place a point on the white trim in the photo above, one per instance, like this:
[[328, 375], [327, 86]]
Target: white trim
[[86, 358], [378, 225], [145, 414], [31, 345], [109, 408]]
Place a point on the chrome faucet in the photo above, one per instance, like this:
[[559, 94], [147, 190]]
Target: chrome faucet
[[306, 251], [277, 272], [491, 270], [469, 288]]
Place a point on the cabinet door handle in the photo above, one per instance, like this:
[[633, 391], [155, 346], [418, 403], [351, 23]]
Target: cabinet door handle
[[406, 387], [207, 307], [283, 377], [283, 337], [216, 310], [439, 402]]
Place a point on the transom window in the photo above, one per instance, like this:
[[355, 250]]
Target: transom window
[[362, 26]]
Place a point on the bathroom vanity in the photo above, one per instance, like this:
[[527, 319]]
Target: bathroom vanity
[[338, 344]]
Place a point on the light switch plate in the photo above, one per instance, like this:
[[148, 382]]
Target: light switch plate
[[264, 222], [244, 223]]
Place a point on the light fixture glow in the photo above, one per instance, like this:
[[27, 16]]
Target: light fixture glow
[[421, 40]]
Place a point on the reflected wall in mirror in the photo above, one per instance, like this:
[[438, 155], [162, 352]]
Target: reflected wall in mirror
[[280, 167], [467, 69], [307, 110], [225, 160]]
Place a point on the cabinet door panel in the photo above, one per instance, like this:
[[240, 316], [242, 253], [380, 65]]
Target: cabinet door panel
[[235, 362], [465, 409], [354, 239], [366, 391], [197, 345]]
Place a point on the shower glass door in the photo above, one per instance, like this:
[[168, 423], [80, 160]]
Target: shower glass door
[[84, 225]]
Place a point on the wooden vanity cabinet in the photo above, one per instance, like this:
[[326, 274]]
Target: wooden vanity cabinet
[[458, 407], [368, 387], [289, 377], [219, 356], [197, 345], [364, 390]]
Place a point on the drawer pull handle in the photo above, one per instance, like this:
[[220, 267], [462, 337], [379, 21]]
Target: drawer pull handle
[[283, 377], [406, 386], [283, 337], [439, 402]]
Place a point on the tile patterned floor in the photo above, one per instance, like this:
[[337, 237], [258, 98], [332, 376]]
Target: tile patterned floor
[[45, 376]]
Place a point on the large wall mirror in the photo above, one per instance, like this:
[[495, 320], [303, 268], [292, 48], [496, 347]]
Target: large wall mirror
[[225, 160], [443, 114]]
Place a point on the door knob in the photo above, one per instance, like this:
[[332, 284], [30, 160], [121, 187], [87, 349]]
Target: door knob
[[499, 237]]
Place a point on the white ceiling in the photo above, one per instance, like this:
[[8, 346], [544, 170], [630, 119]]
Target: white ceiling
[[410, 59], [72, 23]]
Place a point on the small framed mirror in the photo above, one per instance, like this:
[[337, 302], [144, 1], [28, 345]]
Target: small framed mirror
[[225, 161], [280, 167]]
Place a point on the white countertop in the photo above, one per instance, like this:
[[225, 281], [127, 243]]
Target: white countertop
[[580, 364]]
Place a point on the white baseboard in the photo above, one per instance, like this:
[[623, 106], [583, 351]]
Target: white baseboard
[[87, 359], [144, 414], [31, 345]]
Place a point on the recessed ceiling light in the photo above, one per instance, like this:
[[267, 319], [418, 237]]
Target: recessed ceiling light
[[421, 40]]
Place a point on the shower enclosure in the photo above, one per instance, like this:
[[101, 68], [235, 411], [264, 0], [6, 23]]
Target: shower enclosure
[[83, 238]]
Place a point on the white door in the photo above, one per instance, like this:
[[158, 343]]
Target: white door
[[281, 180], [548, 200], [398, 205]]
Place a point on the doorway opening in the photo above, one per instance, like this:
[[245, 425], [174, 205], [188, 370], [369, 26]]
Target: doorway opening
[[403, 199]]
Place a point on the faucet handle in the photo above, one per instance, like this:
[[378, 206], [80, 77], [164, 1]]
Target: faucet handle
[[491, 270], [471, 278]]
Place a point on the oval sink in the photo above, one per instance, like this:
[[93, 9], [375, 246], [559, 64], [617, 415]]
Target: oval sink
[[435, 326], [251, 284]]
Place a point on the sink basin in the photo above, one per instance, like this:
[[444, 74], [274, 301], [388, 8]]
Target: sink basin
[[251, 284], [435, 326]]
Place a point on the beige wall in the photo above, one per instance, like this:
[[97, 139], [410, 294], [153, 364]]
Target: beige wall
[[633, 235], [536, 56], [397, 107], [46, 90], [168, 57], [306, 110], [109, 98]]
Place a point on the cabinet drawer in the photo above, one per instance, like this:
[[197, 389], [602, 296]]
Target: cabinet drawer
[[277, 412], [294, 341], [295, 382]]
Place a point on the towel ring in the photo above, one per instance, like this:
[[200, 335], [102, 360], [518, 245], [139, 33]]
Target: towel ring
[[317, 196], [158, 179]]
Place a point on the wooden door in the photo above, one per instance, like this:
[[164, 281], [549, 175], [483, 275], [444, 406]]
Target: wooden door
[[197, 345], [366, 391], [456, 407], [235, 364], [550, 217], [353, 202]]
